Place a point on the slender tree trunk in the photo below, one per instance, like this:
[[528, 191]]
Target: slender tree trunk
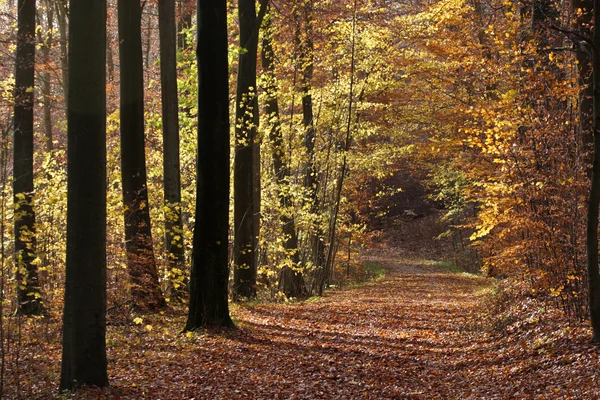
[[594, 198], [170, 118], [47, 38], [186, 10], [583, 25], [291, 282], [141, 264], [28, 289], [245, 219], [328, 268], [84, 319], [62, 13], [209, 305], [110, 63], [304, 43]]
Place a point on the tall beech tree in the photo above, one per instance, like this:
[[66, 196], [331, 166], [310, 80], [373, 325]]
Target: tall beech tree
[[594, 197], [209, 305], [141, 264], [291, 282], [170, 125], [246, 218], [24, 221], [303, 16], [84, 319], [46, 38]]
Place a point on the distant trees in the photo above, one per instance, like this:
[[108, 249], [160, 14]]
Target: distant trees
[[141, 263], [208, 306], [24, 221], [84, 323]]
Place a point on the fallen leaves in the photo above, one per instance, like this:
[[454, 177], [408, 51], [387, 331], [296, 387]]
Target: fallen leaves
[[415, 334]]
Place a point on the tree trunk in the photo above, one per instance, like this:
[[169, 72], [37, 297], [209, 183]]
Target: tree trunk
[[327, 270], [170, 118], [594, 198], [245, 218], [46, 37], [84, 319], [209, 276], [62, 12], [583, 24], [24, 220], [186, 10], [305, 46], [291, 282], [141, 264]]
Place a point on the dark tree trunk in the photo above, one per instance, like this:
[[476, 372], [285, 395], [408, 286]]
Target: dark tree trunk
[[583, 25], [141, 264], [27, 275], [594, 199], [209, 306], [246, 115], [186, 10], [291, 282], [84, 318], [170, 118], [305, 49]]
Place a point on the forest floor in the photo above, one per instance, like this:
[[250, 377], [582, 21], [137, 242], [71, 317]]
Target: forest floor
[[420, 332]]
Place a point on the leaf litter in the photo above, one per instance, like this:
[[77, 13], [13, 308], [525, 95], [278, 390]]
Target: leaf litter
[[418, 333]]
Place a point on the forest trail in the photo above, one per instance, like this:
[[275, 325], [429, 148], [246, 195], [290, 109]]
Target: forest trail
[[409, 335], [413, 334]]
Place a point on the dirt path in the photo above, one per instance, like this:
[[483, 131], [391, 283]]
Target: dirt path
[[407, 336], [400, 337]]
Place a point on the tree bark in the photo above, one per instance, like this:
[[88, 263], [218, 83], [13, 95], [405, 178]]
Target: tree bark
[[594, 197], [291, 282], [28, 289], [583, 25], [141, 264], [246, 116], [209, 276], [84, 319], [186, 10], [305, 48], [170, 118], [62, 13], [46, 38]]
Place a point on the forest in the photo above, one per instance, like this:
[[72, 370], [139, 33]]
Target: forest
[[299, 199]]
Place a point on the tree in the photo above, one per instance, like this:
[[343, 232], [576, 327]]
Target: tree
[[62, 14], [186, 10], [594, 196], [24, 221], [209, 305], [141, 264], [46, 37], [291, 282], [246, 217], [84, 318], [172, 179]]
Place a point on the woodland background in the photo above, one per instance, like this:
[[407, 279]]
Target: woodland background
[[474, 116]]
